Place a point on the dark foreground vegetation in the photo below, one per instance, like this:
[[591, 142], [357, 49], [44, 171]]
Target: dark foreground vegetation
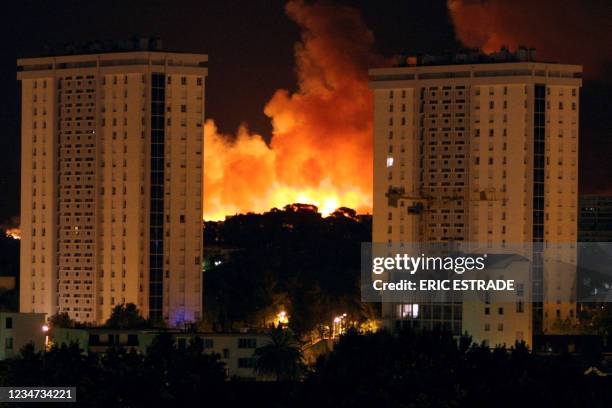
[[373, 370], [292, 259]]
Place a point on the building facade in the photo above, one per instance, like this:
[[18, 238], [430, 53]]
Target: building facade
[[111, 183], [479, 149], [235, 350], [20, 329], [595, 218]]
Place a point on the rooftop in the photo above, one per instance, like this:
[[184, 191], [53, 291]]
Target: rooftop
[[138, 43], [468, 56], [134, 44]]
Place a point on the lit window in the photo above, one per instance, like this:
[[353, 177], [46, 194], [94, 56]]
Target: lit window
[[389, 161], [408, 311]]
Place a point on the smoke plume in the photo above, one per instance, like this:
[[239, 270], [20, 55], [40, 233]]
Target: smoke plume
[[566, 31], [320, 151]]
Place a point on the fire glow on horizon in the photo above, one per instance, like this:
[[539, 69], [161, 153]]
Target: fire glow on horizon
[[320, 151], [321, 146], [14, 233]]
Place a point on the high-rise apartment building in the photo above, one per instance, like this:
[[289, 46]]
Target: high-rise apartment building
[[595, 218], [111, 182], [479, 149]]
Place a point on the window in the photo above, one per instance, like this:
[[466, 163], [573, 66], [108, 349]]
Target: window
[[500, 327], [183, 108], [8, 323], [487, 327], [226, 353], [520, 306], [247, 343], [500, 310], [183, 81], [407, 311], [8, 343], [182, 218]]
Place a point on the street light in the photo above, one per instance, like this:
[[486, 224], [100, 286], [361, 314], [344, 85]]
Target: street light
[[282, 317], [339, 325], [45, 329]]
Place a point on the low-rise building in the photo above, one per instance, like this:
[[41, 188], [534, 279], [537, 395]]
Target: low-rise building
[[235, 349], [19, 329]]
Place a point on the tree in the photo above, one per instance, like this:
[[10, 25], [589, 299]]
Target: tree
[[126, 316], [61, 320], [282, 357], [308, 263]]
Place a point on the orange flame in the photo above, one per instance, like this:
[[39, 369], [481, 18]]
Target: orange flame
[[14, 233], [321, 146]]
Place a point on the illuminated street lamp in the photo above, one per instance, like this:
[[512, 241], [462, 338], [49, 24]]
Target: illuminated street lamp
[[339, 325], [282, 318], [45, 329]]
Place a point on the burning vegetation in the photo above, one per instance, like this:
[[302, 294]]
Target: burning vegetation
[[320, 151]]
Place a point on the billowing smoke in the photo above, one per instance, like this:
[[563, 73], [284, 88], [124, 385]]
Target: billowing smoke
[[320, 151], [568, 31]]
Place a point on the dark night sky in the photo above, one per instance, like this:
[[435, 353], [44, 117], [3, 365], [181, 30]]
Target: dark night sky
[[250, 48]]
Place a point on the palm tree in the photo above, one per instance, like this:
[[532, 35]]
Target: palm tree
[[281, 357]]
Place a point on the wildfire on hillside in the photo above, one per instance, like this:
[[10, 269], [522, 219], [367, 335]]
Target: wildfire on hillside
[[320, 151]]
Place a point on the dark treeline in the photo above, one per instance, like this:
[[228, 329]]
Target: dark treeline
[[119, 377], [292, 258], [363, 370], [434, 370]]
